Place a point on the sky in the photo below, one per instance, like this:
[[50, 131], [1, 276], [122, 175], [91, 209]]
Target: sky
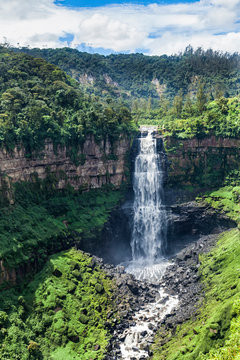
[[149, 27]]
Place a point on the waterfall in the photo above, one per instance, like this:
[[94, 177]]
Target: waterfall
[[150, 217], [150, 220]]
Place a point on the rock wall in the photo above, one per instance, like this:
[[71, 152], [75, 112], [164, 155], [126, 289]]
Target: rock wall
[[201, 162], [99, 164]]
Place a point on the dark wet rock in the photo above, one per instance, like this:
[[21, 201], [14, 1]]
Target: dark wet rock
[[135, 349], [133, 287], [182, 279], [196, 218]]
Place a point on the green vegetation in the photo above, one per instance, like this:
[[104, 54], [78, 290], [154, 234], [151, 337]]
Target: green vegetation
[[66, 312], [136, 76], [219, 117], [213, 330], [63, 314], [44, 220], [225, 200], [38, 101]]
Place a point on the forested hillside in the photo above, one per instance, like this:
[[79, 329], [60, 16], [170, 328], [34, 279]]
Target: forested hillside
[[39, 101], [136, 76]]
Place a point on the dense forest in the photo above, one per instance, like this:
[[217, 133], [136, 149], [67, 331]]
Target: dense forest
[[39, 101], [137, 76]]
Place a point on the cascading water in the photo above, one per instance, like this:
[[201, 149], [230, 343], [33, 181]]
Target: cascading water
[[150, 218], [149, 226]]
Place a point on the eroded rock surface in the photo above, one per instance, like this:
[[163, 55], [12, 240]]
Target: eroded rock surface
[[98, 164]]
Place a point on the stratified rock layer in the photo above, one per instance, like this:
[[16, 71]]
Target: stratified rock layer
[[99, 164]]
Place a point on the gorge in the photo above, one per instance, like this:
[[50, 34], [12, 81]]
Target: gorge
[[117, 240]]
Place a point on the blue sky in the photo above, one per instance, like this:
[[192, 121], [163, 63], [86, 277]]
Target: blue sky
[[151, 27], [95, 3]]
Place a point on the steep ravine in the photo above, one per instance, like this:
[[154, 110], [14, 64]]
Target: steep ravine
[[180, 291], [45, 206], [132, 334]]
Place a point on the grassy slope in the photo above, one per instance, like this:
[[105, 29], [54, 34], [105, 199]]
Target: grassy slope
[[213, 333], [226, 200], [62, 314]]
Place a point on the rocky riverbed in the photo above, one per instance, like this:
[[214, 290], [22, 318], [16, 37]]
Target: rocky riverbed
[[152, 306]]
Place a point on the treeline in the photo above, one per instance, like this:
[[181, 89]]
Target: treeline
[[188, 117], [39, 101], [138, 76]]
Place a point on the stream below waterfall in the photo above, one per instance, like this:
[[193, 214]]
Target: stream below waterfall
[[137, 338]]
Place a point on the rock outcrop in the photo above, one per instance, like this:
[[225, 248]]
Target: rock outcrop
[[97, 164], [201, 162]]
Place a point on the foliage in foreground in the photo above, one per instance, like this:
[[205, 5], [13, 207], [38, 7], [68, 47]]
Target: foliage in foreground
[[61, 315], [225, 200]]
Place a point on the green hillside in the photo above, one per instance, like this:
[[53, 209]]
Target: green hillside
[[137, 76]]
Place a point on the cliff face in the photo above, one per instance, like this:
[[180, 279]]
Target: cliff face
[[99, 164], [201, 162]]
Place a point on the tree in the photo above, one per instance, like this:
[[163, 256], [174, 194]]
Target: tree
[[178, 104], [201, 98], [188, 109]]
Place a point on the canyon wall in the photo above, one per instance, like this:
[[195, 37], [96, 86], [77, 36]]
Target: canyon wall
[[201, 162], [98, 164]]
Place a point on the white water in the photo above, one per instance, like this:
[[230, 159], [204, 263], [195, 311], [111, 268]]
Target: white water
[[149, 225], [148, 243], [150, 218], [147, 319]]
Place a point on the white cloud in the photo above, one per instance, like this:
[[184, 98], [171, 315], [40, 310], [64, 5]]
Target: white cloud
[[159, 28]]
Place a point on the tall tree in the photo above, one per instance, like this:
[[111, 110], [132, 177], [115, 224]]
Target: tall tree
[[178, 104], [188, 110], [201, 98]]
